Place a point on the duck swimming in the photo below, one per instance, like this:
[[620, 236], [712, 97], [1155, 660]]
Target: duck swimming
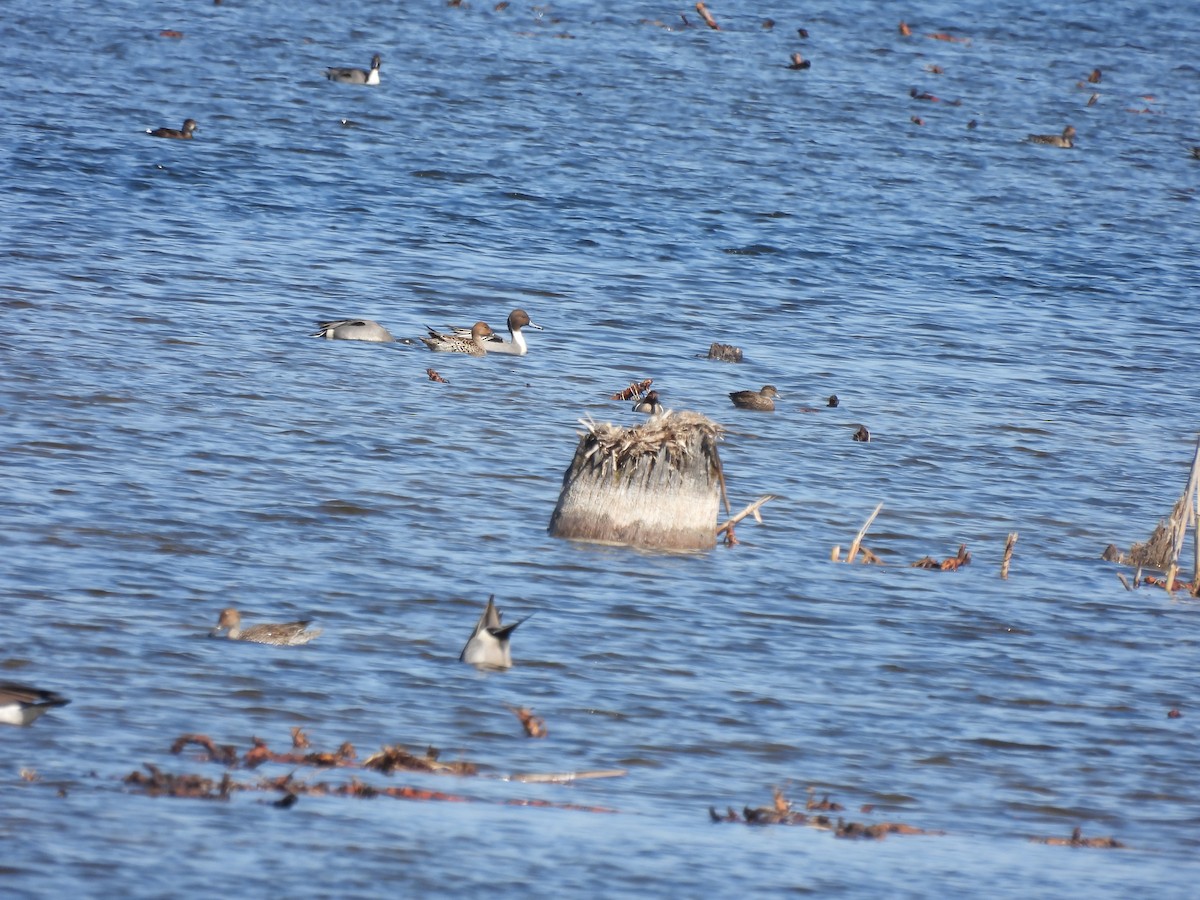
[[473, 345], [648, 404], [179, 134], [353, 330], [284, 634], [488, 646], [346, 75], [21, 704], [1065, 140], [763, 400], [517, 319]]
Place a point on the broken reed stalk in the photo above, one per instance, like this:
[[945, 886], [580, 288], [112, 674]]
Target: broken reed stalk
[[862, 532], [656, 485], [751, 510], [1161, 551], [707, 17], [1008, 551]]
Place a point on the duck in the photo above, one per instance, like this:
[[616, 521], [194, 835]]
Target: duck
[[832, 401], [799, 62], [517, 319], [179, 134], [346, 75], [1065, 140], [488, 647], [285, 634], [353, 330], [648, 404], [473, 344], [763, 400], [21, 704]]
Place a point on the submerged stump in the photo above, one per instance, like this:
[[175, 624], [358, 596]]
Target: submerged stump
[[656, 485]]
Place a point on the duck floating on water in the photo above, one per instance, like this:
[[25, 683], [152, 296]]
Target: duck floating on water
[[347, 75], [284, 634], [1065, 140], [474, 344], [488, 647], [649, 404], [763, 400], [179, 134], [21, 704], [353, 330], [517, 319]]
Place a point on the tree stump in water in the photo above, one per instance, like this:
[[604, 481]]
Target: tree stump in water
[[656, 485]]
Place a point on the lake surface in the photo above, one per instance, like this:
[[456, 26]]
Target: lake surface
[[1014, 323]]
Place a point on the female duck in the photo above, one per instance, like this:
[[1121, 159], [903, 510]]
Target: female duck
[[355, 76], [284, 634], [1066, 140], [179, 134], [763, 400], [353, 330], [474, 345]]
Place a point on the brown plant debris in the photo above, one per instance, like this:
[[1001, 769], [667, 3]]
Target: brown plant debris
[[635, 389], [725, 352], [261, 753], [226, 754], [157, 783], [535, 726], [299, 738], [950, 564], [1078, 840], [389, 759], [707, 17], [434, 376], [781, 813]]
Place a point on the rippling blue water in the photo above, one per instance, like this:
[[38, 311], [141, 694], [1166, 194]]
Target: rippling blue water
[[1013, 323]]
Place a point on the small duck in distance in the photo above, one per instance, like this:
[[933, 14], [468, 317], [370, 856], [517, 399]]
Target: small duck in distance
[[473, 345], [648, 404], [1065, 140], [517, 319], [21, 704], [488, 647], [179, 134], [762, 400], [283, 634], [347, 75], [353, 330]]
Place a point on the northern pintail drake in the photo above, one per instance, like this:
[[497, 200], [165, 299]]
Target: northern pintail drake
[[762, 400], [353, 330], [21, 704], [1066, 139], [517, 319], [284, 634], [649, 404], [488, 647], [474, 344], [180, 134], [347, 75]]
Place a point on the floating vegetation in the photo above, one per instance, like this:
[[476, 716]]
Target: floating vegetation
[[1078, 840], [781, 812], [725, 352], [155, 782], [635, 389]]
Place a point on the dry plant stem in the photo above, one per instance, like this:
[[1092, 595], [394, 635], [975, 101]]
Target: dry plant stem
[[1008, 551], [862, 532], [707, 17], [751, 510], [1125, 581]]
